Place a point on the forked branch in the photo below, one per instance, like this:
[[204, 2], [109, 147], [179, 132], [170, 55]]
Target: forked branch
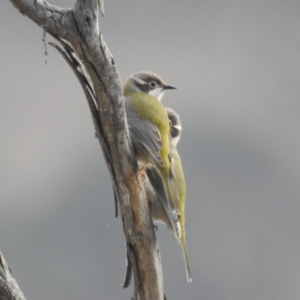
[[86, 53]]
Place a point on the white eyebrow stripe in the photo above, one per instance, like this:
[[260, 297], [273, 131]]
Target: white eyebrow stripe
[[138, 80], [177, 127]]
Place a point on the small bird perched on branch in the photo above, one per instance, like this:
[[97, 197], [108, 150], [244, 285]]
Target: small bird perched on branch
[[149, 127], [158, 191], [175, 130]]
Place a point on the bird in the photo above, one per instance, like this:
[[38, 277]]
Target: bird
[[175, 131], [149, 128], [156, 193]]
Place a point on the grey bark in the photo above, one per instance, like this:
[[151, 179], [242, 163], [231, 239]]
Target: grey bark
[[86, 53], [9, 289]]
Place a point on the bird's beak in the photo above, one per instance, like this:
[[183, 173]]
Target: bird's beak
[[169, 87]]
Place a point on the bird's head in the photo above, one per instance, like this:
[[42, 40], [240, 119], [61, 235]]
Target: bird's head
[[175, 126], [148, 83]]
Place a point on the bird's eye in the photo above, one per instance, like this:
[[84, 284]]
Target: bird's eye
[[153, 84], [170, 123]]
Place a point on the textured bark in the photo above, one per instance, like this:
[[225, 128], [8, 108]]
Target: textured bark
[[85, 51], [9, 289]]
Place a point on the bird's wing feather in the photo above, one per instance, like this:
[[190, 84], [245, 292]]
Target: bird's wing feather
[[145, 132], [159, 189]]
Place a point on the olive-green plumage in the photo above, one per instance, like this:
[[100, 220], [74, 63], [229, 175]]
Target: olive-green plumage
[[150, 109], [179, 180], [180, 183]]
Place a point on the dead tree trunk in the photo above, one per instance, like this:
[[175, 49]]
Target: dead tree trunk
[[84, 49]]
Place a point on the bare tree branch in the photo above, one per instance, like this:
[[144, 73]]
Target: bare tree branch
[[87, 54], [9, 289]]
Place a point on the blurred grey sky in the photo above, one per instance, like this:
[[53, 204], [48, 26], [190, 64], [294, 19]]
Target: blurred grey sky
[[236, 65]]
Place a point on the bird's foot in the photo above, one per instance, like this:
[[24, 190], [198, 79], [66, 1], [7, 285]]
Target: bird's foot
[[141, 169]]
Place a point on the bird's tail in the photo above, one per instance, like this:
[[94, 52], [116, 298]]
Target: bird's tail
[[186, 258]]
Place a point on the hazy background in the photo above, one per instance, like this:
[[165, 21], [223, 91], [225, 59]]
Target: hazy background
[[236, 65]]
